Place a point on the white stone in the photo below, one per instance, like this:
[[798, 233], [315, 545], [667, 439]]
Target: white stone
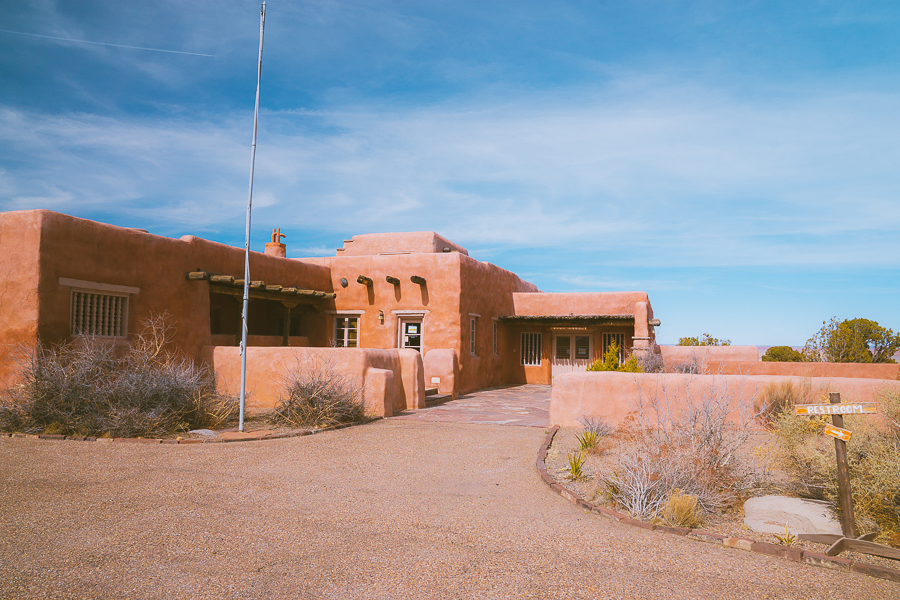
[[770, 514], [206, 432]]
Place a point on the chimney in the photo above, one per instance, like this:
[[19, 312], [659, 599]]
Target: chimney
[[275, 247]]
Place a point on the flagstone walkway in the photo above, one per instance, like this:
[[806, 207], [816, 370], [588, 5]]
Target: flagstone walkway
[[522, 405]]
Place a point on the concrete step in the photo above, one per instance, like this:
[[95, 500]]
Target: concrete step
[[431, 391], [436, 399]]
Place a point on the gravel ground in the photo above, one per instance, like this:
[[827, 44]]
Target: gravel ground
[[392, 509]]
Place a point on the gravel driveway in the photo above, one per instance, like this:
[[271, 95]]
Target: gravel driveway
[[393, 509]]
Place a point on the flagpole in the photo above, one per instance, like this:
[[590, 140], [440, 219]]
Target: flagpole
[[262, 27]]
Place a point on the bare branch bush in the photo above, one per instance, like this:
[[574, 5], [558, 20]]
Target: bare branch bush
[[599, 426], [652, 362], [685, 445], [89, 387], [317, 395]]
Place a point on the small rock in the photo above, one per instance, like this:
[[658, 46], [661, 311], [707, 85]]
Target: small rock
[[207, 432], [770, 514]]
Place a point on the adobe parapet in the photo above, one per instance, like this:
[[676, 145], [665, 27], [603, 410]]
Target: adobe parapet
[[417, 242]]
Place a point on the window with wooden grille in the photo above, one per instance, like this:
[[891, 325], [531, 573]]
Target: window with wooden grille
[[100, 314], [531, 349]]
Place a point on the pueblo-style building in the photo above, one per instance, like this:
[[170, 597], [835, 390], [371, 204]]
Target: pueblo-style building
[[472, 324]]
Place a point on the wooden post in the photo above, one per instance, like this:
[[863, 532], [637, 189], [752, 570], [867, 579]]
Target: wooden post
[[848, 523], [286, 330]]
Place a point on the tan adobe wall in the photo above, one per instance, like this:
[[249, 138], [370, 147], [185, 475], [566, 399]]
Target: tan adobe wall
[[678, 355], [268, 367], [804, 369], [79, 249], [605, 303], [19, 277], [398, 243], [615, 396], [437, 299], [486, 291]]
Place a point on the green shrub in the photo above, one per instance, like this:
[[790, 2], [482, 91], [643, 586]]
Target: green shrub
[[316, 395], [610, 362], [87, 387], [782, 354]]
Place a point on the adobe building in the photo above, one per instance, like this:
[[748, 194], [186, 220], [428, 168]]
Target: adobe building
[[473, 324]]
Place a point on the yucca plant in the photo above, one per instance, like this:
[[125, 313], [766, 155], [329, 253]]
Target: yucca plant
[[576, 466]]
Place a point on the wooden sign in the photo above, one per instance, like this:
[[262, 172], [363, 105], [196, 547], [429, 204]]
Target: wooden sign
[[860, 408], [837, 432]]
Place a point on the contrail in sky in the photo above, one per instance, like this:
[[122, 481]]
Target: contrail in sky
[[50, 37]]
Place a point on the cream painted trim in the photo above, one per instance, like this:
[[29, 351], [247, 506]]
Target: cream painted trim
[[345, 312], [410, 313], [102, 287], [476, 315]]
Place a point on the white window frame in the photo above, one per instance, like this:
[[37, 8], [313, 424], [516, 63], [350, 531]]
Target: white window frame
[[532, 349], [344, 337]]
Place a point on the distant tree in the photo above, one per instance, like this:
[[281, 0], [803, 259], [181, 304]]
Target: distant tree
[[782, 354], [852, 340], [704, 340]]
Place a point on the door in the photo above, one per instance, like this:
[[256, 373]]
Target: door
[[570, 353], [411, 334]]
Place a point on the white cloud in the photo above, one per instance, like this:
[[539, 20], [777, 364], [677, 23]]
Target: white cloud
[[650, 174]]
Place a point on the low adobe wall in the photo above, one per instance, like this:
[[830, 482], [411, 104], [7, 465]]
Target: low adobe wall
[[618, 396], [391, 379], [804, 369], [679, 355]]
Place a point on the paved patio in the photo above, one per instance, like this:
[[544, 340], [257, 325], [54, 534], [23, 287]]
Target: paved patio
[[522, 405]]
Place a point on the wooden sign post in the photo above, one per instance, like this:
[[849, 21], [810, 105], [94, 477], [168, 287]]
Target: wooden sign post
[[848, 521], [841, 437]]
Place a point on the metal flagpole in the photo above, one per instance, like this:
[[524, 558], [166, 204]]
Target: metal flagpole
[[262, 27]]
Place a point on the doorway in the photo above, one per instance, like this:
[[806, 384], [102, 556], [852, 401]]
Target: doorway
[[411, 334], [571, 353]]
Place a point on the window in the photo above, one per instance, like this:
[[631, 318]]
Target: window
[[496, 341], [563, 347], [346, 332], [619, 339], [100, 314], [582, 347], [472, 336], [531, 349]]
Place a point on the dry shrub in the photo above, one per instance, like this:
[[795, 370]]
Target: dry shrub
[[681, 510], [781, 396], [652, 362], [88, 387], [873, 456], [690, 450], [647, 474], [316, 395]]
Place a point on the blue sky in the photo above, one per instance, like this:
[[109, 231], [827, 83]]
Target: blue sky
[[736, 160]]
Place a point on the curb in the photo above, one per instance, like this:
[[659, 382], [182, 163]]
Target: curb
[[256, 438], [785, 552]]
